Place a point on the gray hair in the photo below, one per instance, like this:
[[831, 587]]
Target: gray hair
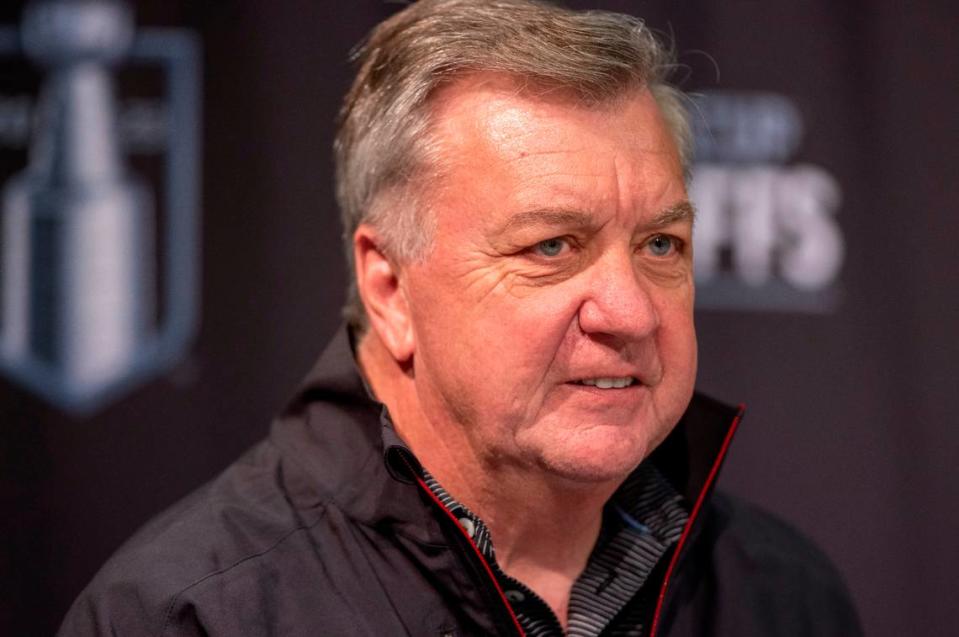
[[383, 146]]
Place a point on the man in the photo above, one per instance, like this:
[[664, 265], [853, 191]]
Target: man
[[506, 441]]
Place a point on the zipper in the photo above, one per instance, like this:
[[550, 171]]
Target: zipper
[[694, 514], [491, 577], [680, 545]]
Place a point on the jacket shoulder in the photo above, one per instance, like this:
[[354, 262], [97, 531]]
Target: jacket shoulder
[[241, 516], [758, 536], [750, 572]]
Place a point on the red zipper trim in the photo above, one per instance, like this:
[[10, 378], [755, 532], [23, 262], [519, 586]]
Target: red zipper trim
[[489, 571], [692, 518]]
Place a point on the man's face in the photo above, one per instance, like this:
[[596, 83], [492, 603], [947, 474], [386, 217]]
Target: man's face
[[553, 318]]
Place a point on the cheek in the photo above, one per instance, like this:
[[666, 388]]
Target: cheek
[[524, 345], [523, 335], [470, 327], [677, 346]]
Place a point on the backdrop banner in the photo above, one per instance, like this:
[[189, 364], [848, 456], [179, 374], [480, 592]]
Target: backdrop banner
[[149, 333]]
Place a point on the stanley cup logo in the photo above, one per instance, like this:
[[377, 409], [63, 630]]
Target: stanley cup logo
[[75, 275], [79, 291]]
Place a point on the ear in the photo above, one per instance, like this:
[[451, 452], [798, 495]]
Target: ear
[[378, 283]]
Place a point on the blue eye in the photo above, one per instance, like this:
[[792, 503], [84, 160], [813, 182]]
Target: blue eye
[[661, 245], [550, 247]]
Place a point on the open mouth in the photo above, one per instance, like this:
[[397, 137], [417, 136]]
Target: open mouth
[[607, 383]]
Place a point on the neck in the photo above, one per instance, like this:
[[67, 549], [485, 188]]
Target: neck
[[544, 527]]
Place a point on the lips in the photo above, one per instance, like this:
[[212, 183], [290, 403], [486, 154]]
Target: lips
[[609, 382]]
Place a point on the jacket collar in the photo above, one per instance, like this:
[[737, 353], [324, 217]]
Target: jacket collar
[[694, 451], [333, 436], [342, 448]]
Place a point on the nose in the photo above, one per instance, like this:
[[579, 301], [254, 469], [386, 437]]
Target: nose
[[618, 303]]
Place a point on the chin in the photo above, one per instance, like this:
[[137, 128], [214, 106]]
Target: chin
[[606, 451], [602, 458]]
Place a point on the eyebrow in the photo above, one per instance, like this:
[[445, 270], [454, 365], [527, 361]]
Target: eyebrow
[[548, 217], [676, 213], [683, 211]]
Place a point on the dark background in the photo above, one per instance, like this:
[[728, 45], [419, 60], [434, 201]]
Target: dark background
[[850, 433]]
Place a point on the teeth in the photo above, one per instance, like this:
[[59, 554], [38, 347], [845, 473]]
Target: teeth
[[608, 383]]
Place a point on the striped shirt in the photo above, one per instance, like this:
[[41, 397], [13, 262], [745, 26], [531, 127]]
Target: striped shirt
[[616, 592]]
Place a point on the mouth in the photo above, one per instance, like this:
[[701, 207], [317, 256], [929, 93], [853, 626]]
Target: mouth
[[613, 382]]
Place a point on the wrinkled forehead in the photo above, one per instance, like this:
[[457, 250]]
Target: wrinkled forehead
[[511, 117], [495, 127]]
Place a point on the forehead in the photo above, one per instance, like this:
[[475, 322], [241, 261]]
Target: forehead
[[501, 107], [529, 141]]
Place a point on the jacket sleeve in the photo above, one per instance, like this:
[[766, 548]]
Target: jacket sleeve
[[128, 609]]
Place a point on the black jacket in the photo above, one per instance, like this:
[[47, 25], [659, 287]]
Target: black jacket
[[320, 530]]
